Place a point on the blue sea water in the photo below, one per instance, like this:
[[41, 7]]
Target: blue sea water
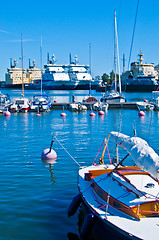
[[35, 196]]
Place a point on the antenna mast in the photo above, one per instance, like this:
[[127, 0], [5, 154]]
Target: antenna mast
[[115, 43], [117, 52], [22, 64], [41, 63], [133, 34], [90, 56]]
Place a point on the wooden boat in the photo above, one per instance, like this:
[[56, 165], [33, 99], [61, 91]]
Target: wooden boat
[[121, 201]]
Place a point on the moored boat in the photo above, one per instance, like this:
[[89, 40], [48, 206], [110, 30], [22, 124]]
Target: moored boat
[[77, 107], [98, 106], [20, 104], [4, 102], [155, 99], [113, 95], [40, 103], [123, 200], [142, 106]]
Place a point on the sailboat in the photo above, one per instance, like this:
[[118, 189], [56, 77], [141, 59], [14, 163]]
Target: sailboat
[[21, 104], [40, 102], [121, 202], [114, 95], [5, 102], [90, 98]]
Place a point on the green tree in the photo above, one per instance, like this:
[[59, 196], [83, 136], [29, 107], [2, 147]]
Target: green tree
[[105, 78], [97, 77], [112, 76]]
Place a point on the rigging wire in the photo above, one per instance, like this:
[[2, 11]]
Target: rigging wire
[[68, 152], [134, 128], [133, 34]]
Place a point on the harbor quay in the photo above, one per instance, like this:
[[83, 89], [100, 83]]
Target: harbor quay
[[89, 105]]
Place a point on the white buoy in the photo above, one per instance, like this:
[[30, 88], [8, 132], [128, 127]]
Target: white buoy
[[38, 115], [49, 153], [7, 114]]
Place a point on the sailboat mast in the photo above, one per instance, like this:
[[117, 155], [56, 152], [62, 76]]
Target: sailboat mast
[[115, 48], [41, 63], [22, 64], [117, 52], [90, 56]]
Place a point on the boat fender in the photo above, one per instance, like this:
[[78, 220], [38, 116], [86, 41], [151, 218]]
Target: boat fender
[[76, 201], [87, 226]]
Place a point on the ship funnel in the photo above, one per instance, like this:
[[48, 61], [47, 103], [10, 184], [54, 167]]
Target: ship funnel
[[70, 59], [15, 63], [29, 63], [33, 63], [11, 63], [123, 63], [48, 58]]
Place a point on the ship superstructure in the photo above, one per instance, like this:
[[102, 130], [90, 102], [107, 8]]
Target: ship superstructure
[[142, 77]]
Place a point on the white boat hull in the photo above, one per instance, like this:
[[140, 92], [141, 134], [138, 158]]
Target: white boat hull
[[117, 223]]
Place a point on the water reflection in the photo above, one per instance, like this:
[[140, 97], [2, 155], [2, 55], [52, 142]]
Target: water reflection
[[73, 236], [49, 163], [95, 232]]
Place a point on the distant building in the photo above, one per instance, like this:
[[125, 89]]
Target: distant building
[[33, 73], [140, 69], [142, 77], [157, 69], [14, 75]]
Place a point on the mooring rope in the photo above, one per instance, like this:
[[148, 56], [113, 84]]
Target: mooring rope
[[68, 152]]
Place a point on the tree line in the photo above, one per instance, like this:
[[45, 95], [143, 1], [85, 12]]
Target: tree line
[[108, 78]]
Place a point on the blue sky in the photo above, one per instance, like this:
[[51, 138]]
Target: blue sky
[[69, 26]]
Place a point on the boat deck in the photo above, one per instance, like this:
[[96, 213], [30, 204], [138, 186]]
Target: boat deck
[[146, 228]]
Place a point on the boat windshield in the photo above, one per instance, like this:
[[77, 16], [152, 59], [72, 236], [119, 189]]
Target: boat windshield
[[19, 102]]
